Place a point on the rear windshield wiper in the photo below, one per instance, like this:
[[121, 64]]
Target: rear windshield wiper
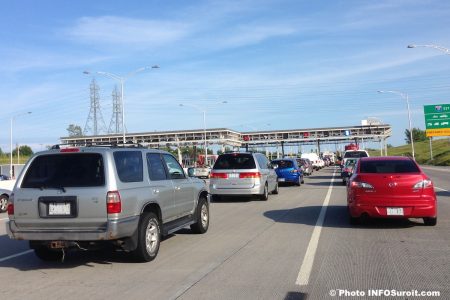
[[53, 187]]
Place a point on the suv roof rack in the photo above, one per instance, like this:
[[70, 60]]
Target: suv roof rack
[[101, 144]]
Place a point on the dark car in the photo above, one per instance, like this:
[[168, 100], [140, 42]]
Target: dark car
[[347, 170], [306, 165], [288, 170], [4, 177]]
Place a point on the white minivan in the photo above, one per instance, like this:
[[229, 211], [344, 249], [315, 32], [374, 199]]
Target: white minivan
[[315, 160]]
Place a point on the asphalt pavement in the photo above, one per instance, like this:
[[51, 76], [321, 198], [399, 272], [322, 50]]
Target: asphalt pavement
[[296, 245]]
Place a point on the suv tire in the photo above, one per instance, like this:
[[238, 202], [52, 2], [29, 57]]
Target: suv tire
[[149, 238], [265, 194], [201, 216]]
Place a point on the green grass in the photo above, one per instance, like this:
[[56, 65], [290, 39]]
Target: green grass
[[441, 152], [5, 159]]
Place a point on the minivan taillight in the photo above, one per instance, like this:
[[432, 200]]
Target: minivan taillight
[[250, 175], [10, 207], [113, 203], [218, 175]]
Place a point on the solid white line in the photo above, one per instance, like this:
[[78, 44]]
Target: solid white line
[[15, 255], [440, 189], [308, 260]]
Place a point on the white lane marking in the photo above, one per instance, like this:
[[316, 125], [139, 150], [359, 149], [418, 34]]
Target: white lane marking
[[15, 255], [308, 260], [440, 189]]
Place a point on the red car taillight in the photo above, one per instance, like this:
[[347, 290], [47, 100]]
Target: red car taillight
[[219, 175], [361, 185], [113, 203], [250, 175], [425, 183]]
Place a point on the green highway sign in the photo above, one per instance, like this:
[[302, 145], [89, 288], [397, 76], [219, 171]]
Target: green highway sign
[[437, 119]]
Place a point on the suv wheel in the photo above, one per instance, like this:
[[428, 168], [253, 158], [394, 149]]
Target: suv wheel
[[202, 216], [149, 237], [3, 203], [265, 194]]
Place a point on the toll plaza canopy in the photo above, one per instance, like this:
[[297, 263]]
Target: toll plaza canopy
[[235, 139]]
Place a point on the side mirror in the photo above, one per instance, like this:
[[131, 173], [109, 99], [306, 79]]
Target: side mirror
[[274, 166], [191, 172]]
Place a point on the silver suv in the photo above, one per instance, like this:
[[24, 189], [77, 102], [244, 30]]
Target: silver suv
[[242, 174], [82, 197]]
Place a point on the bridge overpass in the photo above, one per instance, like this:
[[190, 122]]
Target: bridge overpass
[[227, 137]]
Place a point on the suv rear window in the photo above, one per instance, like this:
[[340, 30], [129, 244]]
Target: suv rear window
[[388, 166], [65, 170], [284, 164], [235, 161], [356, 154]]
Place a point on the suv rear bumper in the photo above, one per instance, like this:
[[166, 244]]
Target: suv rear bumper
[[115, 229]]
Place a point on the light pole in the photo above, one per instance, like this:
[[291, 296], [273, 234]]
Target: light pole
[[203, 111], [446, 51], [405, 96], [121, 80], [11, 142]]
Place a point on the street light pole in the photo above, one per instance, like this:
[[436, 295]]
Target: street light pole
[[121, 80], [11, 142], [405, 96], [203, 111]]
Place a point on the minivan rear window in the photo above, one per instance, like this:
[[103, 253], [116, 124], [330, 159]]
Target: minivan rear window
[[356, 154], [235, 161], [65, 170], [388, 166]]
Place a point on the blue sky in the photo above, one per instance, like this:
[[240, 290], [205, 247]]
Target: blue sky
[[290, 64]]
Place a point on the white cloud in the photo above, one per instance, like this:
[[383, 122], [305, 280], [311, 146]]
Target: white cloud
[[117, 30]]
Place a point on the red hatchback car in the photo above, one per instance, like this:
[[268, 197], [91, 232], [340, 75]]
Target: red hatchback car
[[390, 187]]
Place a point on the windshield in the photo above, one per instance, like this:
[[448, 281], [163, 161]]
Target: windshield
[[65, 170], [355, 154], [284, 164]]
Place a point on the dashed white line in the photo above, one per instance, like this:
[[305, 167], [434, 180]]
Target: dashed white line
[[15, 255], [308, 260]]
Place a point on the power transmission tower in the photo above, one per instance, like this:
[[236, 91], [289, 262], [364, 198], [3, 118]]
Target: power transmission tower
[[94, 122], [115, 126]]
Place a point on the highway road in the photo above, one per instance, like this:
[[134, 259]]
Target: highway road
[[297, 245]]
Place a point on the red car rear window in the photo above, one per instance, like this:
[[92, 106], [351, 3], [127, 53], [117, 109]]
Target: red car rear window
[[388, 166]]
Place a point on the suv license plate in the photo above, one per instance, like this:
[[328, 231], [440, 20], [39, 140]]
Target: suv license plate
[[59, 209], [395, 211]]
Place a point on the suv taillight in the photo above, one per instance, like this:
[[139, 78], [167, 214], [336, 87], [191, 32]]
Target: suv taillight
[[218, 175], [113, 203], [250, 175], [10, 207]]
